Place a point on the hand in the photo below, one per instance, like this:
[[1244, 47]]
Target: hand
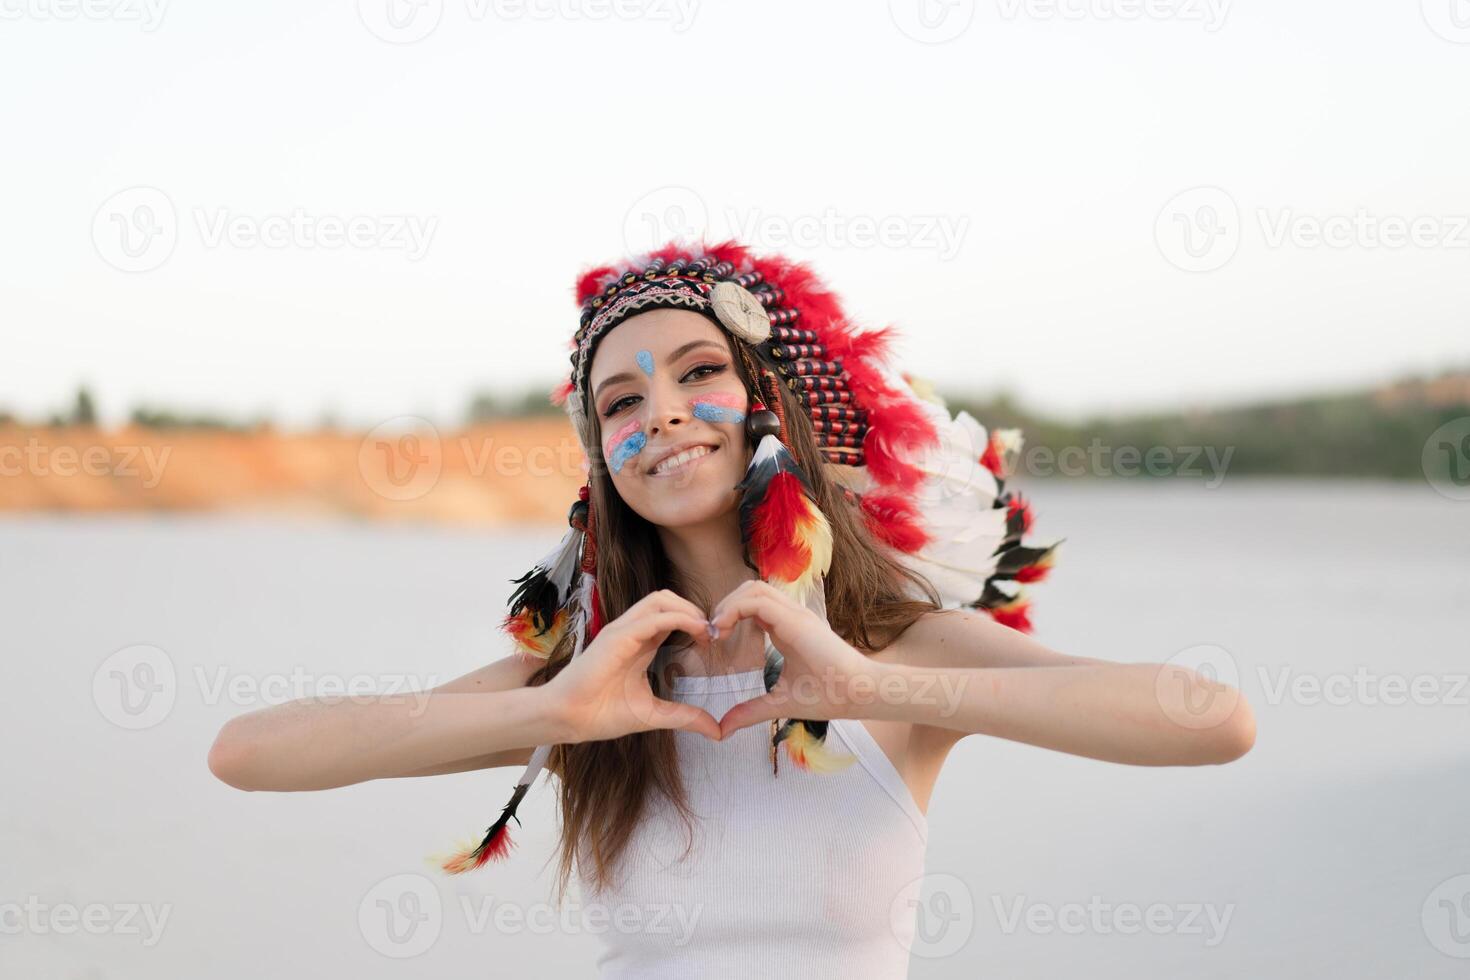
[[823, 677], [604, 692]]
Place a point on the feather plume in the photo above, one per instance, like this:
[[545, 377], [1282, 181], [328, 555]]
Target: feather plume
[[786, 533], [808, 750]]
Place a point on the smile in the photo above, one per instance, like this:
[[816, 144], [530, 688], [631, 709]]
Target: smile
[[681, 459]]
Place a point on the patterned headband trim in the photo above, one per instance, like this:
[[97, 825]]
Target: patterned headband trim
[[634, 297]]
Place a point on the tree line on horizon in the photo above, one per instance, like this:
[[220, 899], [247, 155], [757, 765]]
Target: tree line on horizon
[[1353, 434]]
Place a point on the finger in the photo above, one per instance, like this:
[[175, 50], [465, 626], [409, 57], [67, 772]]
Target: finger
[[665, 600], [687, 717], [751, 712], [759, 606], [650, 631], [735, 595]]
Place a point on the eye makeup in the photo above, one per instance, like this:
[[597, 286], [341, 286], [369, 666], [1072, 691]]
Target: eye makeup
[[719, 406], [625, 443]]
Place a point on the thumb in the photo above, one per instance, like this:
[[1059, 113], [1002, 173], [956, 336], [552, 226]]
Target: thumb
[[751, 712], [687, 717]]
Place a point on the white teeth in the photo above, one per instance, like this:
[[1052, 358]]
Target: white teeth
[[681, 458]]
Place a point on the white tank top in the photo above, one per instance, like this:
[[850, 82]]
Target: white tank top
[[799, 874]]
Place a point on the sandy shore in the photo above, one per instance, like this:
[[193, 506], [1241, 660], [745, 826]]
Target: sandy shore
[[510, 472]]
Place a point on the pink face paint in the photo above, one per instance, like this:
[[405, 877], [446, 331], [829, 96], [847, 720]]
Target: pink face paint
[[719, 406], [625, 443]]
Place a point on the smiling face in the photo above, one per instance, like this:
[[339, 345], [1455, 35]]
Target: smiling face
[[670, 407]]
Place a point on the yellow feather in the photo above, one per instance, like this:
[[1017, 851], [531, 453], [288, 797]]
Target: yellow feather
[[810, 753], [817, 533]]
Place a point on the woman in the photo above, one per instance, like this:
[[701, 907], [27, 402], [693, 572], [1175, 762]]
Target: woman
[[773, 530]]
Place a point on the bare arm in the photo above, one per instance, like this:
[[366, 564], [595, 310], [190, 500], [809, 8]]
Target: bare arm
[[955, 674], [961, 673], [483, 719], [486, 718]]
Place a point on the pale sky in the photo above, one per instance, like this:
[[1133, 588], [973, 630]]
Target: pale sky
[[1012, 183]]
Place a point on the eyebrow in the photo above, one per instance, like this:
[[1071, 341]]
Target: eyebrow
[[677, 353]]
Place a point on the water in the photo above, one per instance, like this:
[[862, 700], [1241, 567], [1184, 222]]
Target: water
[[1330, 851]]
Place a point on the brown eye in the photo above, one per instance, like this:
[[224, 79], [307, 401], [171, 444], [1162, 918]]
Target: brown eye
[[619, 405], [701, 371]]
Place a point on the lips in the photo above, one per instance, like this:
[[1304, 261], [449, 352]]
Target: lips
[[678, 456]]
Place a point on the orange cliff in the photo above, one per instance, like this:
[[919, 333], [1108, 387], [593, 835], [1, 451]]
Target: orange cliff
[[508, 472]]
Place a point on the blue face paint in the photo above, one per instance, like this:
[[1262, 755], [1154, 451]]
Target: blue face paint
[[626, 450], [710, 412], [645, 361]]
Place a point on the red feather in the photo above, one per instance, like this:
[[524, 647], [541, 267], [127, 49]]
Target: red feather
[[1015, 614], [779, 543], [1018, 505], [497, 847], [594, 621], [591, 282], [894, 520]]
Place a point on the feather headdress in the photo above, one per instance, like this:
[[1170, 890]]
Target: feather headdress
[[930, 486]]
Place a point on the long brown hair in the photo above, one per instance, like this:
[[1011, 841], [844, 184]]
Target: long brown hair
[[871, 599]]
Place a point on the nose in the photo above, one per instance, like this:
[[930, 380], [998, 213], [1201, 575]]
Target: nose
[[667, 410]]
